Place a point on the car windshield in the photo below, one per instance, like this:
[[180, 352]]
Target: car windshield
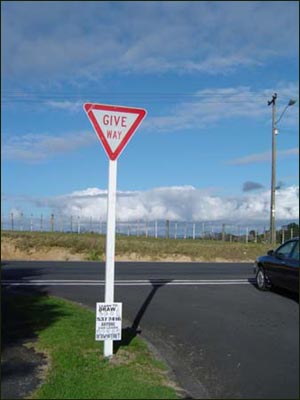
[[285, 249], [295, 253]]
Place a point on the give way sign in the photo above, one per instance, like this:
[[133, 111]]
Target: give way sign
[[114, 125]]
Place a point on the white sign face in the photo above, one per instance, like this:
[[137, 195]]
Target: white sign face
[[114, 125], [108, 321]]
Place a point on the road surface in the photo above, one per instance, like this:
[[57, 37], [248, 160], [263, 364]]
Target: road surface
[[221, 336]]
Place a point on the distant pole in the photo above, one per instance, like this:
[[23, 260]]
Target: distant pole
[[273, 178]]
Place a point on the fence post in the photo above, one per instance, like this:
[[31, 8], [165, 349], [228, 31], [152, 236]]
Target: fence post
[[292, 232], [194, 230], [167, 229], [31, 222], [21, 222], [78, 224], [223, 232], [146, 228], [265, 234], [61, 223], [41, 223], [72, 223], [185, 230], [12, 221], [52, 222], [175, 233], [282, 237], [238, 233], [247, 234], [155, 229]]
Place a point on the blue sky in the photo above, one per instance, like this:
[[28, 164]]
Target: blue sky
[[204, 71]]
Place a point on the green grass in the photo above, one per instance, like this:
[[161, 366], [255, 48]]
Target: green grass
[[66, 333], [92, 246]]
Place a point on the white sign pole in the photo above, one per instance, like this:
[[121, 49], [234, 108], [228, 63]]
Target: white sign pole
[[114, 126], [110, 244]]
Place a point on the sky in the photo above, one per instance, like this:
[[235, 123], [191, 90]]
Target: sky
[[203, 70]]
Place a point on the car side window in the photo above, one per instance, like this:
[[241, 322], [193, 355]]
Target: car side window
[[285, 249], [295, 253]]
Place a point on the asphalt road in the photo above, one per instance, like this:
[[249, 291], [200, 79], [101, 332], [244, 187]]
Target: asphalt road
[[221, 336]]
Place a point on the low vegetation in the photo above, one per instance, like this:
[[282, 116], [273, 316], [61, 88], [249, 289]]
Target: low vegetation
[[76, 368], [91, 246]]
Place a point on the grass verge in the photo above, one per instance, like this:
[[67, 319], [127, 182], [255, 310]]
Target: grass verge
[[77, 369], [92, 247]]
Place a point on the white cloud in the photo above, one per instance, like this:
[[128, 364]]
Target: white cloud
[[38, 147], [183, 203], [66, 105], [200, 109], [69, 39], [264, 157], [210, 106]]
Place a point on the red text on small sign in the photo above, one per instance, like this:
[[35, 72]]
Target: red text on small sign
[[114, 120]]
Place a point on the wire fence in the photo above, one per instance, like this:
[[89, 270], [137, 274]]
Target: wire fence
[[209, 230]]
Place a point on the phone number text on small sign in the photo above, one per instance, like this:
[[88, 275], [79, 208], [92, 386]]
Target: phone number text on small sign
[[108, 321]]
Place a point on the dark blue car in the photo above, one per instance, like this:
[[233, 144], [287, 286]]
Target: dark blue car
[[279, 268]]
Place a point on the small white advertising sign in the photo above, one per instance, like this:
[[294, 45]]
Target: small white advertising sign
[[108, 321]]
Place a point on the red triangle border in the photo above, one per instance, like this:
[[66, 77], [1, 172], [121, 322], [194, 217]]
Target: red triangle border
[[89, 107]]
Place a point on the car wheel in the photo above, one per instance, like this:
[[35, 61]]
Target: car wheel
[[261, 280]]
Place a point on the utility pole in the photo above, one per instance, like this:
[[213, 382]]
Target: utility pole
[[273, 179]]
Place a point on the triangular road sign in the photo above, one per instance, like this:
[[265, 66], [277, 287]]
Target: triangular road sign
[[114, 125]]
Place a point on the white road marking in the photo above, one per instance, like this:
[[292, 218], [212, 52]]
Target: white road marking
[[149, 282]]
